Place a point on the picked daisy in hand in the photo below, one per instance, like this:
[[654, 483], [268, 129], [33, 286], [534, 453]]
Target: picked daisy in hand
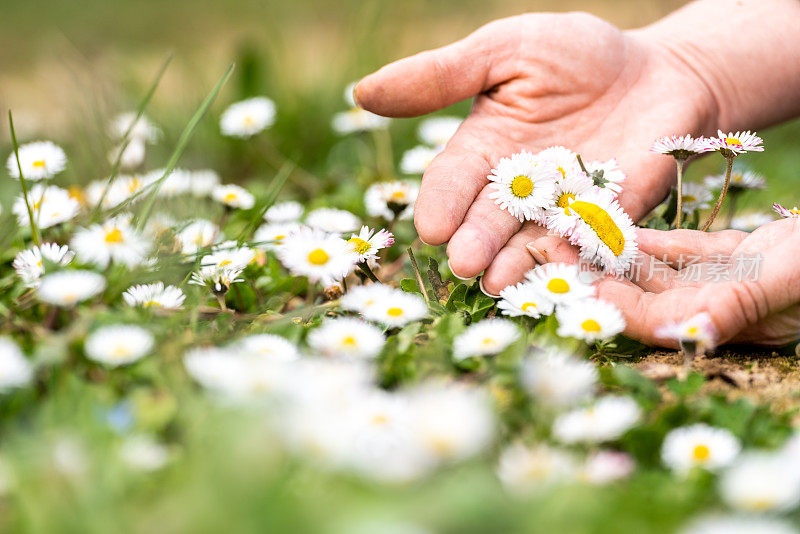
[[319, 256], [51, 205], [361, 298], [699, 445], [15, 370], [396, 309], [118, 345], [558, 217], [284, 212], [561, 159], [416, 160], [196, 235], [695, 197], [787, 213], [437, 131], [559, 379], [606, 175], [246, 118], [368, 243], [67, 288], [606, 420], [590, 320], [485, 338], [333, 220], [347, 337], [391, 200], [114, 240], [29, 264], [271, 235], [525, 299], [154, 296], [233, 196], [524, 186], [560, 282], [39, 160]]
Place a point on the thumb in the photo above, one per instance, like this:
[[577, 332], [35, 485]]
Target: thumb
[[435, 79]]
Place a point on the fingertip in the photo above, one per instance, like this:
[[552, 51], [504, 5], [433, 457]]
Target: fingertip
[[467, 252], [449, 266], [485, 291], [429, 226]]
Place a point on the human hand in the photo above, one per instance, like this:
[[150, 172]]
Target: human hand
[[762, 309], [539, 80]]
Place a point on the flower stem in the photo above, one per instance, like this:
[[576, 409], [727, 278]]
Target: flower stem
[[418, 275], [221, 300], [679, 215], [34, 227], [367, 271], [721, 194]]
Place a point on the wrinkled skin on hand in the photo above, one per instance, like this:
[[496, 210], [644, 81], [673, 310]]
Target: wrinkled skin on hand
[[539, 80]]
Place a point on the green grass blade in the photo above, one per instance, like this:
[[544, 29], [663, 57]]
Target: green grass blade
[[275, 188], [126, 138], [183, 141], [23, 183]]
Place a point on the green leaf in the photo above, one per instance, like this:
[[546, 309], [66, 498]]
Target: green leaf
[[409, 285], [690, 386], [457, 297]]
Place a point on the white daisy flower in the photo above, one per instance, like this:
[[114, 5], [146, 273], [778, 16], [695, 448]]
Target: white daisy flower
[[197, 235], [131, 157], [590, 320], [368, 243], [144, 453], [202, 182], [347, 337], [268, 346], [485, 338], [750, 221], [787, 213], [524, 185], [333, 220], [559, 379], [606, 466], [732, 144], [742, 179], [561, 159], [51, 205], [526, 470], [154, 295], [560, 282], [319, 256], [558, 217], [284, 212], [392, 200], [178, 182], [695, 197], [738, 524], [238, 375], [680, 147], [760, 482], [697, 335], [122, 188], [67, 288], [29, 264], [117, 345], [114, 240], [416, 160], [357, 120], [39, 160], [15, 370], [271, 235], [361, 298], [606, 420], [397, 309], [246, 118], [605, 233], [612, 176], [233, 196], [229, 254], [699, 445], [217, 279], [143, 130], [525, 299], [437, 131]]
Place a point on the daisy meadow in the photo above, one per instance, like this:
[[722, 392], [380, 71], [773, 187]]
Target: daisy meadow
[[559, 379], [368, 243], [699, 445], [437, 131], [396, 309], [742, 179], [391, 200], [114, 240], [154, 296], [525, 299], [203, 182], [560, 282], [29, 264], [416, 160], [524, 186], [786, 212], [233, 196], [131, 157], [284, 212], [347, 337], [526, 470], [695, 197], [333, 220], [196, 235], [270, 236], [606, 420], [761, 482], [319, 256], [246, 118], [732, 144], [39, 160], [268, 346], [178, 182], [485, 338], [51, 205], [680, 147], [67, 288], [361, 298], [118, 344], [15, 370], [142, 129], [590, 319]]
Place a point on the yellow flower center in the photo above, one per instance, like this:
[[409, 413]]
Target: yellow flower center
[[380, 419], [394, 312], [795, 211], [224, 263], [701, 453], [564, 201], [527, 306], [399, 195], [521, 186], [558, 285], [489, 342], [230, 197], [152, 303], [359, 245], [688, 198], [349, 341], [318, 257], [76, 193], [114, 236], [562, 171], [602, 223], [39, 163], [248, 120], [732, 141], [120, 352], [278, 239], [692, 330], [590, 325]]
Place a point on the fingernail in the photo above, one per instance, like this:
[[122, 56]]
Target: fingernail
[[454, 274], [483, 290], [355, 94], [537, 254]]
